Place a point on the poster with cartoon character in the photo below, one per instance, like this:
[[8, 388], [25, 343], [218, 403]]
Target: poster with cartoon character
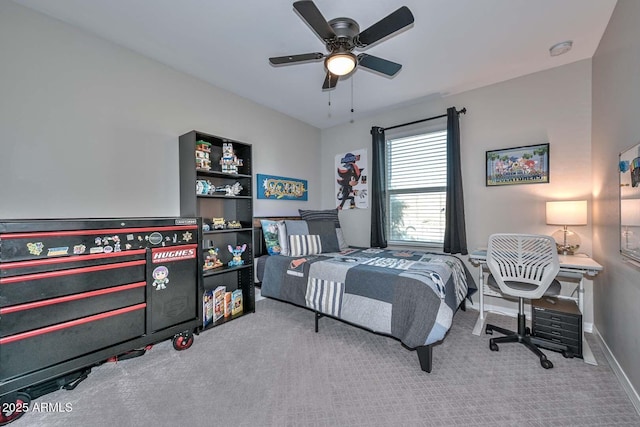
[[352, 188]]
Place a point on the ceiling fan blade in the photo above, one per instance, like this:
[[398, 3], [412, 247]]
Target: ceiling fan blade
[[378, 64], [279, 60], [330, 81], [312, 15], [388, 25]]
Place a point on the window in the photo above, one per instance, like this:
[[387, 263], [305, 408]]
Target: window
[[416, 188]]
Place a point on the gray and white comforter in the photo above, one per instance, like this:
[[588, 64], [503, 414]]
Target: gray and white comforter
[[410, 295]]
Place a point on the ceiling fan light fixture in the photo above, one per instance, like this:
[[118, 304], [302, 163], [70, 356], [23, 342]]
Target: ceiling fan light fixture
[[340, 63]]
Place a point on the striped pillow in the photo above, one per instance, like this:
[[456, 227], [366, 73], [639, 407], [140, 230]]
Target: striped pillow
[[304, 244]]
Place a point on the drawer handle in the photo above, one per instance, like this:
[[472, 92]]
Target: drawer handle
[[556, 325], [555, 318], [556, 340], [556, 333]]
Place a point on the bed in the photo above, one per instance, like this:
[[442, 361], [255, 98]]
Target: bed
[[406, 294]]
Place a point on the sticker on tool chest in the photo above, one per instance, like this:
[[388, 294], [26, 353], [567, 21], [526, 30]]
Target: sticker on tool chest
[[173, 254]]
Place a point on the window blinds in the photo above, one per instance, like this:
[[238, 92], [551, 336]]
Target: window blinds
[[416, 184]]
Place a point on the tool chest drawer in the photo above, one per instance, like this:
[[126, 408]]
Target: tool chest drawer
[[34, 315], [28, 351], [45, 285], [557, 322]]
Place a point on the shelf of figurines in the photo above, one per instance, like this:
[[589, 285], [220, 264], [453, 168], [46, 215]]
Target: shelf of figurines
[[229, 162], [213, 265], [219, 174], [205, 188], [218, 225], [227, 231]]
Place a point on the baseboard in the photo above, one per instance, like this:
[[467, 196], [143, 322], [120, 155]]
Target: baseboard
[[507, 311], [617, 369]]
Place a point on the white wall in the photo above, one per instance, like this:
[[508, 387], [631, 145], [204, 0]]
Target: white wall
[[616, 127], [90, 129], [550, 106]]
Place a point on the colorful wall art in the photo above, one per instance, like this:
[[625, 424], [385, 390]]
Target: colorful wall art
[[282, 188]]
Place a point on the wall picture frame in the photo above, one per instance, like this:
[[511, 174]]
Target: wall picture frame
[[629, 168], [527, 164], [282, 188]]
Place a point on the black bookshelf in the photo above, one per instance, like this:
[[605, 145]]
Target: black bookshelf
[[237, 207]]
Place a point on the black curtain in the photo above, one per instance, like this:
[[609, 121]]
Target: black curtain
[[455, 236], [378, 189]]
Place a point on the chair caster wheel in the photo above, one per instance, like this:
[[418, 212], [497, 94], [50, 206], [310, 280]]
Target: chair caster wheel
[[493, 346], [488, 331], [567, 354], [546, 364]]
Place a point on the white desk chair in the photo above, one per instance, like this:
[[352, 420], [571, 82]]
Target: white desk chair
[[523, 266]]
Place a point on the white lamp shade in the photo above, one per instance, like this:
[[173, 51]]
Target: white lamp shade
[[630, 212], [340, 64], [567, 212]]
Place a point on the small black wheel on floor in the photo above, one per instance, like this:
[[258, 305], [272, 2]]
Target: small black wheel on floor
[[493, 346], [546, 364], [13, 407], [183, 340], [568, 354], [527, 330]]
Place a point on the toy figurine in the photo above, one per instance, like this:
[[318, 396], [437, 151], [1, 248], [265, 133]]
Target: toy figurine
[[237, 255], [219, 223], [233, 190], [229, 161], [234, 224], [202, 155], [229, 190], [203, 187], [211, 260]]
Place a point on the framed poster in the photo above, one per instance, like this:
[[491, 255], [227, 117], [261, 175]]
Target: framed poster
[[518, 165], [629, 166], [281, 188], [352, 189]]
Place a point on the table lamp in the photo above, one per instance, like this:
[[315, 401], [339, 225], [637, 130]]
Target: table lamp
[[567, 213], [629, 217]]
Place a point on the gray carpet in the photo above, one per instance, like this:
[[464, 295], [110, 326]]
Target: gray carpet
[[271, 369]]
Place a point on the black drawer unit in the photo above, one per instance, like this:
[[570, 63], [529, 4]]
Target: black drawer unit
[[557, 324], [74, 293]]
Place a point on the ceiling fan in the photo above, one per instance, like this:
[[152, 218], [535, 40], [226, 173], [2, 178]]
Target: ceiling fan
[[341, 36]]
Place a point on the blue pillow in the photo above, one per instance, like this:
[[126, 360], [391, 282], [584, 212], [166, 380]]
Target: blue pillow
[[270, 233]]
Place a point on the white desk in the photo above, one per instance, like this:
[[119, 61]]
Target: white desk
[[571, 267]]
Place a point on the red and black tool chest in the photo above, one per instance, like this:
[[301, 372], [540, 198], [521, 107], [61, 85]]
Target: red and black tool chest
[[76, 292]]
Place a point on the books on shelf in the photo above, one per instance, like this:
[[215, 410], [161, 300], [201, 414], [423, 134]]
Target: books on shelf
[[218, 302], [227, 304], [236, 302], [207, 308]]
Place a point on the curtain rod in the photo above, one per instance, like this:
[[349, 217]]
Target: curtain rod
[[463, 111]]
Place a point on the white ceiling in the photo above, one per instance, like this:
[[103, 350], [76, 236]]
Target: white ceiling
[[453, 45]]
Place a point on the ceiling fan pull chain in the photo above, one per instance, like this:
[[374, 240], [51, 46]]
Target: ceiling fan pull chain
[[329, 107], [352, 79]]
